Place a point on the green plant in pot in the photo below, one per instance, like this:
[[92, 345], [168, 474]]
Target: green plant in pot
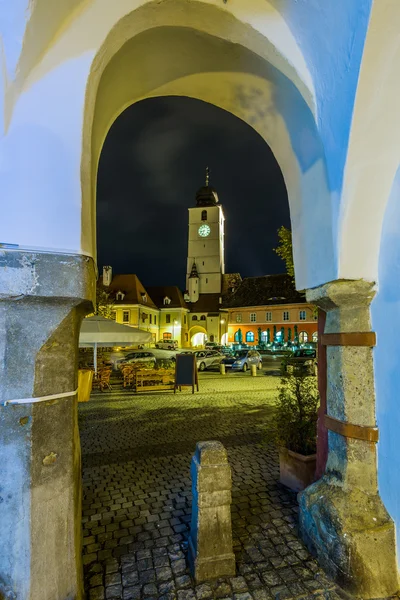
[[296, 429]]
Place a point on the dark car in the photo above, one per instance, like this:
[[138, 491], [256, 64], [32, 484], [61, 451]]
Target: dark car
[[301, 363], [241, 360]]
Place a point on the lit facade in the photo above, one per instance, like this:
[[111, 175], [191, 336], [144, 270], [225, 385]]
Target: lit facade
[[267, 323]]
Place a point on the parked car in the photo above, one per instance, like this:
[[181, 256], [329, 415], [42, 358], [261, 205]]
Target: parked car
[[304, 352], [302, 363], [207, 359], [212, 346], [136, 357], [167, 344], [241, 360]]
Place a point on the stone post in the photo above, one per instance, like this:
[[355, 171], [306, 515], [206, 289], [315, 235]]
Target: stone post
[[210, 542], [43, 298], [342, 517], [222, 369], [253, 369]]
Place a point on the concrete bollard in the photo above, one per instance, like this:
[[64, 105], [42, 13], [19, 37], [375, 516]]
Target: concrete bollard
[[253, 370], [210, 541], [222, 369]]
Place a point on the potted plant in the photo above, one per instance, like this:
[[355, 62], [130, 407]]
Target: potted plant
[[296, 430]]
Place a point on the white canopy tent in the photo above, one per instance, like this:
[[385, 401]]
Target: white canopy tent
[[97, 332]]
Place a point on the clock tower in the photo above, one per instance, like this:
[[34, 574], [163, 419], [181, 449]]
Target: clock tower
[[206, 261]]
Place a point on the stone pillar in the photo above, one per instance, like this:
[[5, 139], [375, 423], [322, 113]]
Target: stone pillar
[[43, 298], [210, 542], [342, 517]]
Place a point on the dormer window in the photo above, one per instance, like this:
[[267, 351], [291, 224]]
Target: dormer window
[[144, 296], [204, 215], [167, 300], [119, 296]]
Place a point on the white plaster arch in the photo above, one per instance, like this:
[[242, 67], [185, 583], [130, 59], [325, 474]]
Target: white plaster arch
[[210, 73], [374, 149], [266, 31], [52, 113]]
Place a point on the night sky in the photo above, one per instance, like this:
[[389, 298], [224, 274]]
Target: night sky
[[153, 162]]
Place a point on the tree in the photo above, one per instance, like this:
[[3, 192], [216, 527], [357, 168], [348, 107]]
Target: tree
[[104, 303], [285, 249]]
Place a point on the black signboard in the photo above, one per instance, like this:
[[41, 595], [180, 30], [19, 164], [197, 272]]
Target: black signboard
[[186, 371]]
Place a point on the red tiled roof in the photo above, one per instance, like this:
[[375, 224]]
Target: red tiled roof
[[132, 287], [207, 303], [266, 290], [158, 293]]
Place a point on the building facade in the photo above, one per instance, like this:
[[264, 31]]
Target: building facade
[[268, 309], [173, 314]]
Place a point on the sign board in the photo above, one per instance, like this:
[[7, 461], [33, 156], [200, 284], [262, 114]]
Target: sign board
[[186, 371]]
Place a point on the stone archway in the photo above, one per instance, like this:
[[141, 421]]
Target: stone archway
[[51, 221], [197, 335]]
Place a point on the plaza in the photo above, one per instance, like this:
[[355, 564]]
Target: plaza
[[136, 452]]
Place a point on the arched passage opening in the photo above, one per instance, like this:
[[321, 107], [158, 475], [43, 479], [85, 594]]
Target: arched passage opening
[[198, 336], [207, 58]]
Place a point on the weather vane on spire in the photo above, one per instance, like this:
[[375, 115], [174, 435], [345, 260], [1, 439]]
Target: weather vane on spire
[[207, 176]]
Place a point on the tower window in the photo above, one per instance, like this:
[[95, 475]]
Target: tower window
[[204, 215]]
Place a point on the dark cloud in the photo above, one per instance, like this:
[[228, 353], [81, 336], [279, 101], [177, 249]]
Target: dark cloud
[[152, 163]]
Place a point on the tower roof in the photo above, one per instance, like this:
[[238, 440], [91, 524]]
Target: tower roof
[[193, 272], [206, 195]]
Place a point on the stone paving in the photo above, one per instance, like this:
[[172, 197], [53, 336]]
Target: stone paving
[[137, 495]]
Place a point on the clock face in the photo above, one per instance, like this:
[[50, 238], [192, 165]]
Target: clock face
[[204, 230]]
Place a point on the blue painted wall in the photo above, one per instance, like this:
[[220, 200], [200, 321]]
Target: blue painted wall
[[386, 323], [331, 35]]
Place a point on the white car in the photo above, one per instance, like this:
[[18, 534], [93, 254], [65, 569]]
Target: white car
[[137, 357], [207, 359], [167, 344]]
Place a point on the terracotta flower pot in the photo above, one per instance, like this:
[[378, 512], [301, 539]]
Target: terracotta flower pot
[[296, 471]]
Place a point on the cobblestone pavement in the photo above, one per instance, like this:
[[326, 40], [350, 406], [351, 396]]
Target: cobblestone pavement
[[137, 495]]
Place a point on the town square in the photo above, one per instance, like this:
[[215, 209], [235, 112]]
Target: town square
[[199, 299]]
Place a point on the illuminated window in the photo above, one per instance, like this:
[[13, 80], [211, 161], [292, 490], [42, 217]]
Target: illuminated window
[[249, 336], [125, 316], [253, 317], [286, 315], [302, 315], [303, 337], [315, 336], [167, 336]]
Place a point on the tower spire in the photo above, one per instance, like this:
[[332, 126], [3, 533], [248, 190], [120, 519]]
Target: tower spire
[[207, 176]]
